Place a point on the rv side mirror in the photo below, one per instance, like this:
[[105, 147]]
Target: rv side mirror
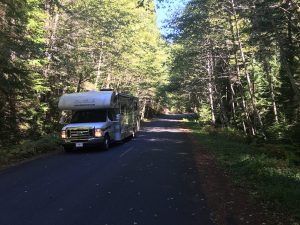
[[118, 117], [62, 120], [65, 117]]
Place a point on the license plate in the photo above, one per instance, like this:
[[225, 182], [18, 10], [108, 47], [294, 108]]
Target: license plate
[[79, 145]]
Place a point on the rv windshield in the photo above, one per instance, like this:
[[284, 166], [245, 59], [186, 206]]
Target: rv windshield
[[89, 116]]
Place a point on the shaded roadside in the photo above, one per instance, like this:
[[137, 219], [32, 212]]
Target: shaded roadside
[[231, 200], [230, 204], [28, 150]]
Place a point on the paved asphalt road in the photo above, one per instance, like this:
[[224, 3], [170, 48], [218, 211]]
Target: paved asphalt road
[[151, 180]]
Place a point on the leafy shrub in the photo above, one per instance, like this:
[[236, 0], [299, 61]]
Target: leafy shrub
[[204, 114], [278, 132], [28, 149], [294, 133], [270, 171], [226, 132], [44, 144]]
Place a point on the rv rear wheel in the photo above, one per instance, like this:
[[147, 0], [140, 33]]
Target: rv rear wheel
[[106, 142]]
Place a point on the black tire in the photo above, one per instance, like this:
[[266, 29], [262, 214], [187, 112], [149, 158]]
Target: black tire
[[106, 142], [68, 149]]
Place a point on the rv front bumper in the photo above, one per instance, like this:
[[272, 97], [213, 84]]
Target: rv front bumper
[[92, 142]]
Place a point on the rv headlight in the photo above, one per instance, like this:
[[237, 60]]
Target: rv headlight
[[63, 134], [98, 132]]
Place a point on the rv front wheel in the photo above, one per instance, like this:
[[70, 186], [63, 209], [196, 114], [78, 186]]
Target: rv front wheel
[[68, 149]]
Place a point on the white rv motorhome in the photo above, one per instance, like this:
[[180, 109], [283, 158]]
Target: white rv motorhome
[[98, 118]]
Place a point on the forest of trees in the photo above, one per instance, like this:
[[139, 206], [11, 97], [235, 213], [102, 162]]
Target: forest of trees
[[236, 63], [51, 47]]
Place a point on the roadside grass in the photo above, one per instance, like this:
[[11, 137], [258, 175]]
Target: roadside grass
[[270, 172], [28, 149]]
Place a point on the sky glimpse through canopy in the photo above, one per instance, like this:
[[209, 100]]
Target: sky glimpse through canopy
[[166, 10]]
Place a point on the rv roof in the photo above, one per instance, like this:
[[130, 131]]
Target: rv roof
[[86, 100]]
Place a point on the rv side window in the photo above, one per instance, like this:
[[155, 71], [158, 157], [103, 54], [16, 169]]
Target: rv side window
[[89, 116], [66, 116], [111, 115]]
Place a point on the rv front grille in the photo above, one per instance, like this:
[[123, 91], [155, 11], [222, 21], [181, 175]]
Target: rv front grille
[[79, 134]]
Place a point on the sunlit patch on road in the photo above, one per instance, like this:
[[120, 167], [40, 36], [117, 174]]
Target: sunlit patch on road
[[166, 129], [157, 149], [182, 153], [156, 140]]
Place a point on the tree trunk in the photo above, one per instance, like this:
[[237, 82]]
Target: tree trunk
[[79, 83], [51, 29], [286, 64], [290, 76], [143, 109], [210, 89], [51, 39], [14, 131], [98, 70], [223, 116], [249, 83], [99, 65], [233, 102], [240, 87], [108, 80], [272, 95]]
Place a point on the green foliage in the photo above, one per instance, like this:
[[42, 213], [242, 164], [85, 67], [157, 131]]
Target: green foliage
[[204, 114], [14, 76], [278, 132], [228, 133], [28, 149], [49, 48], [270, 175], [237, 61], [45, 144], [293, 133]]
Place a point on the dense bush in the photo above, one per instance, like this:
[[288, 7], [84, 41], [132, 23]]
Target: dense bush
[[270, 170], [28, 149]]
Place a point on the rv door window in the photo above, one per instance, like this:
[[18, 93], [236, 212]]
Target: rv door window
[[111, 114], [89, 116]]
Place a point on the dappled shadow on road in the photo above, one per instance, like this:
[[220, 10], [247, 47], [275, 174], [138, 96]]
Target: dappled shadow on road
[[178, 116], [164, 130], [167, 129], [164, 145], [152, 179]]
